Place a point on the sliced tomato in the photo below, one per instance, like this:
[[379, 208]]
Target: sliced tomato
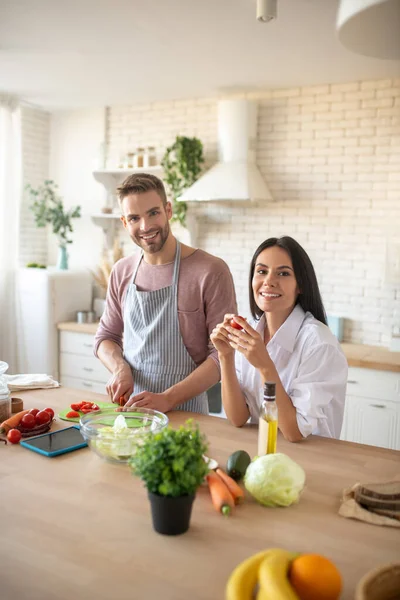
[[76, 405], [72, 414], [95, 407], [86, 410]]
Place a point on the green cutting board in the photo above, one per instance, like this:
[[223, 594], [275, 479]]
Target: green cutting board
[[63, 414], [106, 421]]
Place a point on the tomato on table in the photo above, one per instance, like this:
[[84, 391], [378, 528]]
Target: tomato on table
[[14, 436]]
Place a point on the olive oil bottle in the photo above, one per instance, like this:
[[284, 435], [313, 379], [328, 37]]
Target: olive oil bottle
[[268, 421]]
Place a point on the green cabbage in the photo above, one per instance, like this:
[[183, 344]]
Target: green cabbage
[[275, 480], [117, 442]]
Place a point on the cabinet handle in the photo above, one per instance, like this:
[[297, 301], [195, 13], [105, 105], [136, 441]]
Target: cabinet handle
[[378, 405], [352, 381], [87, 384], [87, 369]]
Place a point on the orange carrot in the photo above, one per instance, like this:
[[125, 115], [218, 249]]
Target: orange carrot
[[12, 422], [220, 495], [233, 487]]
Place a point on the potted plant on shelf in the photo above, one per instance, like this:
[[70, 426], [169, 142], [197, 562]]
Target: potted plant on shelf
[[171, 465], [182, 162], [48, 207]]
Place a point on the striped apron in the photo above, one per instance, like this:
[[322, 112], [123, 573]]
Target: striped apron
[[153, 344]]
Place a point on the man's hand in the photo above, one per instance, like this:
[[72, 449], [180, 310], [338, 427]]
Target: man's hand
[[145, 399], [120, 384]]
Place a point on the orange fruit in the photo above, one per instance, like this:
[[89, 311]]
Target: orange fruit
[[314, 577]]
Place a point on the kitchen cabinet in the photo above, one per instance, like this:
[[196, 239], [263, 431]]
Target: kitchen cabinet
[[78, 367], [372, 410]]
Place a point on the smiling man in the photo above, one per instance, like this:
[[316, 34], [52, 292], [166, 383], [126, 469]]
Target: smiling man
[[161, 308]]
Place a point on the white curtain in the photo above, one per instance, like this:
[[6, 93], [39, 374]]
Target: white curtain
[[10, 200]]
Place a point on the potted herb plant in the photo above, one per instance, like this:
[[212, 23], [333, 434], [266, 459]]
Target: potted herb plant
[[182, 163], [48, 207], [171, 465]]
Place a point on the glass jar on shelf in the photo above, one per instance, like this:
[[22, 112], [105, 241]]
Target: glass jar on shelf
[[130, 160], [150, 157], [139, 157]]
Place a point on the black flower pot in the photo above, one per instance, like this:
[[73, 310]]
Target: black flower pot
[[171, 516]]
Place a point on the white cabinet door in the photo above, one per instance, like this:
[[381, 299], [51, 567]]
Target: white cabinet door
[[373, 422]]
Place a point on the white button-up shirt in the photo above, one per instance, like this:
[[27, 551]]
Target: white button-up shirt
[[312, 369]]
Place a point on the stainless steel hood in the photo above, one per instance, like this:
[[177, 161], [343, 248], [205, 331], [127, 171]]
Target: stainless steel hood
[[236, 175]]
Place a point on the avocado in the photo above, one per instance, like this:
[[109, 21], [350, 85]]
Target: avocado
[[237, 464]]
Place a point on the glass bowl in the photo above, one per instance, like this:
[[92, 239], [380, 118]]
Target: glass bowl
[[114, 435]]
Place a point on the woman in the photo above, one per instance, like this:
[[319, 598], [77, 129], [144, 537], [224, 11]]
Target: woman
[[288, 343]]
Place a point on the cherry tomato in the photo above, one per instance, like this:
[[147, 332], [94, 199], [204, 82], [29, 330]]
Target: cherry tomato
[[50, 411], [14, 436], [28, 421], [42, 417], [236, 325], [34, 411]]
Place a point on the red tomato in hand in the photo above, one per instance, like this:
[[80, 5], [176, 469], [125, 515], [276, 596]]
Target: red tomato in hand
[[236, 325], [42, 417], [50, 411], [34, 411], [14, 436], [28, 421]]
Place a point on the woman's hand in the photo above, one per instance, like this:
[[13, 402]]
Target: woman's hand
[[120, 384], [220, 337], [249, 342]]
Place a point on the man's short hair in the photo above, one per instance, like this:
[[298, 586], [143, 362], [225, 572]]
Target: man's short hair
[[140, 183]]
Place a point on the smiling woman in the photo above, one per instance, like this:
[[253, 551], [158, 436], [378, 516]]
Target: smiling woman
[[287, 343]]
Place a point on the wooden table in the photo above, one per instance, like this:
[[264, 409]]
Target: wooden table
[[76, 527]]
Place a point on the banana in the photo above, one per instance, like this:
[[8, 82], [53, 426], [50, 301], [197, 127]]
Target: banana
[[244, 577], [273, 576]]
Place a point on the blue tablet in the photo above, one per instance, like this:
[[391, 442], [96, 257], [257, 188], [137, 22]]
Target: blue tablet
[[56, 442]]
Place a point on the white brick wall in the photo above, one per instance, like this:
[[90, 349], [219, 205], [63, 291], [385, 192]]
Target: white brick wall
[[35, 125], [331, 157]]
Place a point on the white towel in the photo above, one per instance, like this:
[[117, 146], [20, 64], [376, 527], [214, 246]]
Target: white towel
[[30, 381]]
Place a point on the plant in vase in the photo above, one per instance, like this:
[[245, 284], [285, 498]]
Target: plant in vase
[[48, 207], [182, 162], [171, 465]]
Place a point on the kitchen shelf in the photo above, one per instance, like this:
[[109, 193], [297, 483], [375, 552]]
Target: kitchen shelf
[[111, 178]]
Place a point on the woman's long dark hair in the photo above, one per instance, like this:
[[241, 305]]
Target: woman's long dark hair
[[309, 297]]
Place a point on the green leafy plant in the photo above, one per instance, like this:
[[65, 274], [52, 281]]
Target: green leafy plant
[[48, 207], [171, 463], [182, 166]]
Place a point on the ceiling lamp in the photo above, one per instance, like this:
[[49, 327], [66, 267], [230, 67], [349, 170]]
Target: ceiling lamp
[[370, 27]]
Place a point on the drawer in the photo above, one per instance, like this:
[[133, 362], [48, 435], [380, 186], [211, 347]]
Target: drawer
[[84, 384], [83, 367], [76, 343], [370, 383]]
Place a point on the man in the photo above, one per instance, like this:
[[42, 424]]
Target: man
[[161, 308]]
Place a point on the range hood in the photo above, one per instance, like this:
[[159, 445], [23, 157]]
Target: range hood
[[236, 175]]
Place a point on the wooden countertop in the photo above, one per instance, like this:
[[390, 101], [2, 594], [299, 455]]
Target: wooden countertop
[[371, 357], [358, 355], [79, 327], [77, 527]]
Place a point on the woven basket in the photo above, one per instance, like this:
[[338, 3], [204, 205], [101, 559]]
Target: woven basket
[[382, 583], [25, 433]]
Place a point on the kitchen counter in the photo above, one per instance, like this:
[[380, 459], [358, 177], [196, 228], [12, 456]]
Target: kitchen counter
[[371, 357], [358, 355], [77, 527]]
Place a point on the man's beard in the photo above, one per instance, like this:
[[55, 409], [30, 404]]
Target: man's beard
[[159, 241]]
